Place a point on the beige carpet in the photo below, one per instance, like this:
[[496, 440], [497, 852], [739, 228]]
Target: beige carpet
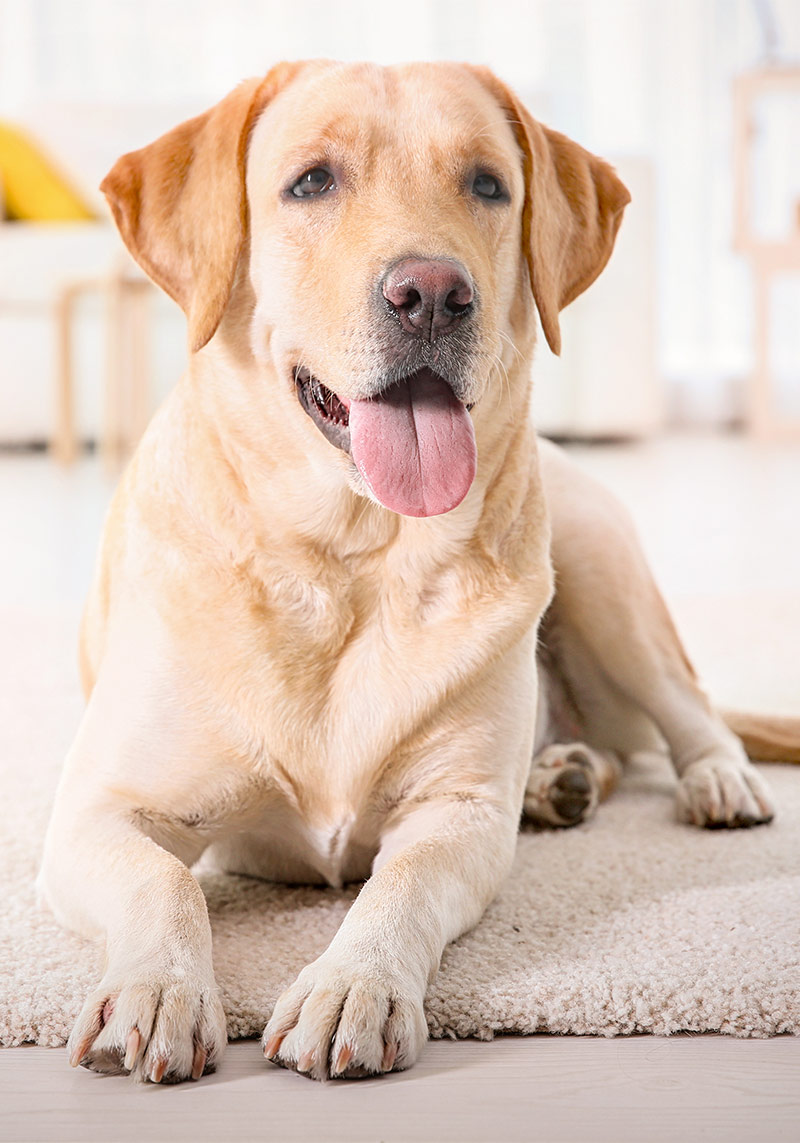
[[631, 923]]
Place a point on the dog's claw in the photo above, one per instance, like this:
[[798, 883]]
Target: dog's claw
[[343, 1059], [389, 1056], [273, 1045], [159, 1067], [305, 1061], [199, 1062], [132, 1046], [80, 1051]]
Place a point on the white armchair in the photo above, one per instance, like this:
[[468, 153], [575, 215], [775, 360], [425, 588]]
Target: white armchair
[[36, 261], [71, 366]]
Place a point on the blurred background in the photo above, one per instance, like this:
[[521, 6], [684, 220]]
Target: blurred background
[[679, 382]]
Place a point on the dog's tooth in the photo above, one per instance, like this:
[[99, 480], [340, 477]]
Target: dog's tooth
[[319, 392]]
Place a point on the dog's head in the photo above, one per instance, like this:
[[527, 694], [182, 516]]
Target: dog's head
[[390, 226]]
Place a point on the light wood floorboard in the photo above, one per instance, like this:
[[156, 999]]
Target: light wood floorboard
[[549, 1089]]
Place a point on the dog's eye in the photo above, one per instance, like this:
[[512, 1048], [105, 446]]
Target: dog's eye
[[315, 181], [487, 186]]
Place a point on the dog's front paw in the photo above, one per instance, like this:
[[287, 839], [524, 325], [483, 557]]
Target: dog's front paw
[[719, 793], [340, 1019], [170, 1027]]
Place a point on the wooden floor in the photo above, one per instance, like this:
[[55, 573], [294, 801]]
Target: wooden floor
[[549, 1089]]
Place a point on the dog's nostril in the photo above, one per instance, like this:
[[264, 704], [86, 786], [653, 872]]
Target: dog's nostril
[[412, 300], [458, 301]]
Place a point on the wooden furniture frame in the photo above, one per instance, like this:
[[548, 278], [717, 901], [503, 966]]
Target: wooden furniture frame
[[769, 259], [126, 399]]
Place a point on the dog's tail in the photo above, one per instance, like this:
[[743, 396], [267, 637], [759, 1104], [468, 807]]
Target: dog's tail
[[766, 737]]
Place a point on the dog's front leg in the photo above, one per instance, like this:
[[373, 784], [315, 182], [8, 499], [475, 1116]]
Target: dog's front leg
[[156, 1012], [358, 1009], [444, 853]]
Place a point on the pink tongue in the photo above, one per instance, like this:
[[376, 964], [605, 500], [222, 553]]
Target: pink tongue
[[415, 446]]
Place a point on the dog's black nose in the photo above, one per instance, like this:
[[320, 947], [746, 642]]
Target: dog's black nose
[[430, 296]]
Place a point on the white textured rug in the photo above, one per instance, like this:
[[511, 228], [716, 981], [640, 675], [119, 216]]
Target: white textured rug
[[631, 923]]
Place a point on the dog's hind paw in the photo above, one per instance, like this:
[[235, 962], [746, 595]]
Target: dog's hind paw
[[721, 793], [566, 783]]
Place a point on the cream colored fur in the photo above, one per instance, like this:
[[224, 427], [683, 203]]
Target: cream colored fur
[[284, 673]]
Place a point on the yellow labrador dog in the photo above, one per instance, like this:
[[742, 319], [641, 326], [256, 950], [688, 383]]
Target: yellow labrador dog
[[311, 643]]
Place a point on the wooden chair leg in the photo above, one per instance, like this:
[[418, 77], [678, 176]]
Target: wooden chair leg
[[64, 446], [138, 294], [761, 396], [126, 394], [116, 349]]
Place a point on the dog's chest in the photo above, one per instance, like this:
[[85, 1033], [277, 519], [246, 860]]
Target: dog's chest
[[337, 743], [332, 696], [336, 680], [350, 692]]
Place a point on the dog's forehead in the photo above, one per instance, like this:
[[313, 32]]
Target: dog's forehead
[[423, 107]]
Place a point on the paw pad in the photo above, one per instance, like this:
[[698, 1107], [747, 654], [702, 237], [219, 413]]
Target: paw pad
[[571, 794]]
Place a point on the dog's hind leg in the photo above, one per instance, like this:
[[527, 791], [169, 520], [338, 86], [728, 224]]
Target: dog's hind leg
[[617, 650]]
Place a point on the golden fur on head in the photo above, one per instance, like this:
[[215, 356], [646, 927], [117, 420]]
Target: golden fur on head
[[196, 174]]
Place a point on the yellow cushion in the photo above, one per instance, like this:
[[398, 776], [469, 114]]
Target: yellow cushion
[[31, 188]]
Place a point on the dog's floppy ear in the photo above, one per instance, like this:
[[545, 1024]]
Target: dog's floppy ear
[[572, 211], [181, 207]]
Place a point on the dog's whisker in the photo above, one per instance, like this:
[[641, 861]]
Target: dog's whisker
[[510, 342]]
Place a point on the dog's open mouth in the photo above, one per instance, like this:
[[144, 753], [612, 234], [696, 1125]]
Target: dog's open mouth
[[328, 412], [413, 444]]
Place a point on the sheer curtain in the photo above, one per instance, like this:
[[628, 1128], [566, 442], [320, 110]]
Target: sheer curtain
[[638, 77]]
